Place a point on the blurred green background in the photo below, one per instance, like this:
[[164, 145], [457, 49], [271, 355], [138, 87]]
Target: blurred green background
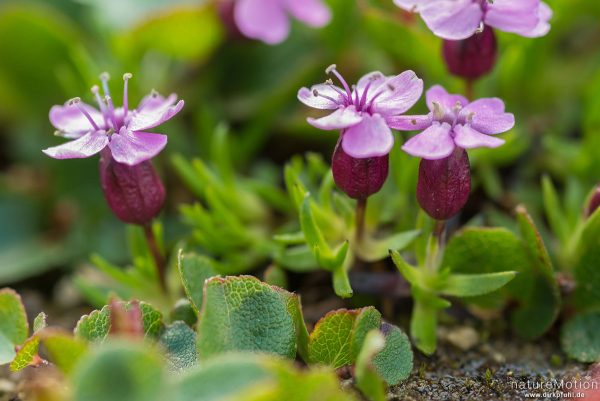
[[52, 213]]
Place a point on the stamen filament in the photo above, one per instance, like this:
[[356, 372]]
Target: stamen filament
[[126, 77], [77, 102], [332, 70], [96, 91], [363, 99], [316, 93], [104, 77], [111, 111]]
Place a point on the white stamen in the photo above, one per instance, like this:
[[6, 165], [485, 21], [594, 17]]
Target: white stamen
[[331, 68], [438, 111]]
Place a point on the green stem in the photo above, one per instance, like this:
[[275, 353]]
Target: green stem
[[469, 89], [435, 247], [361, 209], [159, 260]]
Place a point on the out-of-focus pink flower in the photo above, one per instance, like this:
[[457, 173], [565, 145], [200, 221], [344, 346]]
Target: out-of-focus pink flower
[[269, 20], [454, 122], [120, 129], [460, 19]]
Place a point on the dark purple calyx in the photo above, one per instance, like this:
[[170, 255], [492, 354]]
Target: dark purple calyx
[[444, 185], [473, 57], [593, 203], [358, 178], [226, 11], [134, 193]]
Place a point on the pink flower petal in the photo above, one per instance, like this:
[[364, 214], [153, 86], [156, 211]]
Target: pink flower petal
[[85, 146], [543, 25], [375, 79], [342, 118], [72, 122], [265, 20], [487, 116], [453, 19], [517, 16], [132, 148], [468, 138], [414, 5], [371, 138], [312, 12], [153, 113], [434, 143], [401, 93], [320, 97], [439, 95], [409, 123]]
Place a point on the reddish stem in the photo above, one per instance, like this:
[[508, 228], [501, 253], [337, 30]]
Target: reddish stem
[[159, 260]]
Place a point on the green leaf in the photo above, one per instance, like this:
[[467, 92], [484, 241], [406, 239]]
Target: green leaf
[[410, 273], [194, 270], [179, 341], [540, 297], [14, 327], [470, 285], [423, 322], [580, 337], [243, 314], [193, 34], [394, 362], [26, 354], [368, 380], [120, 371], [275, 275], [223, 378], [39, 322], [555, 211], [338, 336], [96, 326], [372, 250], [586, 272], [64, 350]]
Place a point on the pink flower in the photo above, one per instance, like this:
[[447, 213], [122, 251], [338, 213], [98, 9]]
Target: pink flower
[[460, 19], [454, 122], [120, 129], [363, 112], [269, 20]]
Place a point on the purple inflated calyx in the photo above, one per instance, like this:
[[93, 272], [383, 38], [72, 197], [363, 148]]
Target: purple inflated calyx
[[593, 203], [358, 178], [135, 194], [444, 185], [473, 57]]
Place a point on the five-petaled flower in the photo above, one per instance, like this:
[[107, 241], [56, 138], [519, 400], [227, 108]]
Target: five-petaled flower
[[460, 19], [363, 112], [121, 129], [269, 20], [454, 122]]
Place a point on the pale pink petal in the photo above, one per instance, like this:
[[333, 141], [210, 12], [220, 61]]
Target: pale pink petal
[[344, 117], [400, 94], [312, 12], [85, 146], [543, 25], [153, 114], [371, 138], [453, 19], [439, 95], [72, 122], [373, 81], [409, 123], [487, 116], [265, 20], [154, 101], [468, 138], [434, 143], [132, 148], [414, 5], [517, 16], [322, 96]]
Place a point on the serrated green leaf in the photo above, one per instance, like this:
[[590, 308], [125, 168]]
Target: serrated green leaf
[[580, 337], [26, 354], [394, 362], [179, 341], [338, 336], [96, 326], [368, 380], [470, 285], [243, 314], [39, 322], [120, 371], [194, 270], [64, 350], [14, 327]]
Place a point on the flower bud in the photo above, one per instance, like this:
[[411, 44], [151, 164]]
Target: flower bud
[[444, 185], [134, 193], [358, 178], [226, 10], [594, 202], [473, 57]]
